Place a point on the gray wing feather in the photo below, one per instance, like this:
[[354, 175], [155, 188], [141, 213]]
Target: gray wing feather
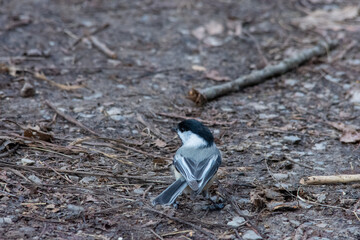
[[197, 173]]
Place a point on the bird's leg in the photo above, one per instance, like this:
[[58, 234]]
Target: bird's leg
[[214, 205], [176, 204]]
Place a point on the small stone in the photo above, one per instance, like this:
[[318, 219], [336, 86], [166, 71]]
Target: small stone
[[27, 90], [299, 94], [78, 109], [258, 106], [291, 82], [227, 109], [251, 235], [26, 161], [114, 111], [74, 178], [267, 116], [27, 230], [87, 180], [354, 61], [332, 79], [35, 179], [280, 176], [94, 96], [292, 139], [236, 222], [75, 209], [139, 191], [309, 86], [117, 117], [213, 41], [5, 220], [320, 146], [121, 86], [34, 52], [84, 115], [294, 223]]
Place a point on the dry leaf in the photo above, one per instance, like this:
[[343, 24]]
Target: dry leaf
[[36, 133], [350, 137], [343, 127], [350, 133], [332, 20], [214, 28], [213, 41], [215, 75], [159, 143]]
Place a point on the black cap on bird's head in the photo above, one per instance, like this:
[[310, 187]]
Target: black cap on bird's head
[[197, 128]]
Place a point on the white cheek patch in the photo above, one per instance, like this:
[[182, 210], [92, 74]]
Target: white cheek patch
[[190, 139]]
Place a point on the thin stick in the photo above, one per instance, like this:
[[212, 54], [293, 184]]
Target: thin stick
[[54, 170], [210, 123], [102, 47], [201, 96], [101, 28], [258, 48], [298, 163], [157, 235], [81, 173], [183, 222], [316, 180], [70, 119]]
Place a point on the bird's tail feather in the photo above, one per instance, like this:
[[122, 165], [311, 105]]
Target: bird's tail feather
[[171, 193]]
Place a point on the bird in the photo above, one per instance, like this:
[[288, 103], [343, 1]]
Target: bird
[[195, 163]]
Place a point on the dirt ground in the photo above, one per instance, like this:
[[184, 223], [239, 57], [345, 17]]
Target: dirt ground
[[123, 70]]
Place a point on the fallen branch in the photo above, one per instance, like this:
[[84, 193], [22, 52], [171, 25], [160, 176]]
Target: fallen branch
[[316, 180], [201, 96]]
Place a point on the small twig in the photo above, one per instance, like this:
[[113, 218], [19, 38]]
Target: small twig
[[102, 47], [16, 172], [7, 153], [177, 232], [201, 96], [54, 170], [42, 77], [70, 119], [157, 235], [146, 191], [50, 151], [155, 131], [257, 45], [318, 180], [347, 48], [182, 221], [209, 123], [298, 163], [96, 31]]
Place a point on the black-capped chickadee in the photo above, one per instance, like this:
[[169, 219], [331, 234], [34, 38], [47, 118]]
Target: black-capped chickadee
[[195, 162]]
